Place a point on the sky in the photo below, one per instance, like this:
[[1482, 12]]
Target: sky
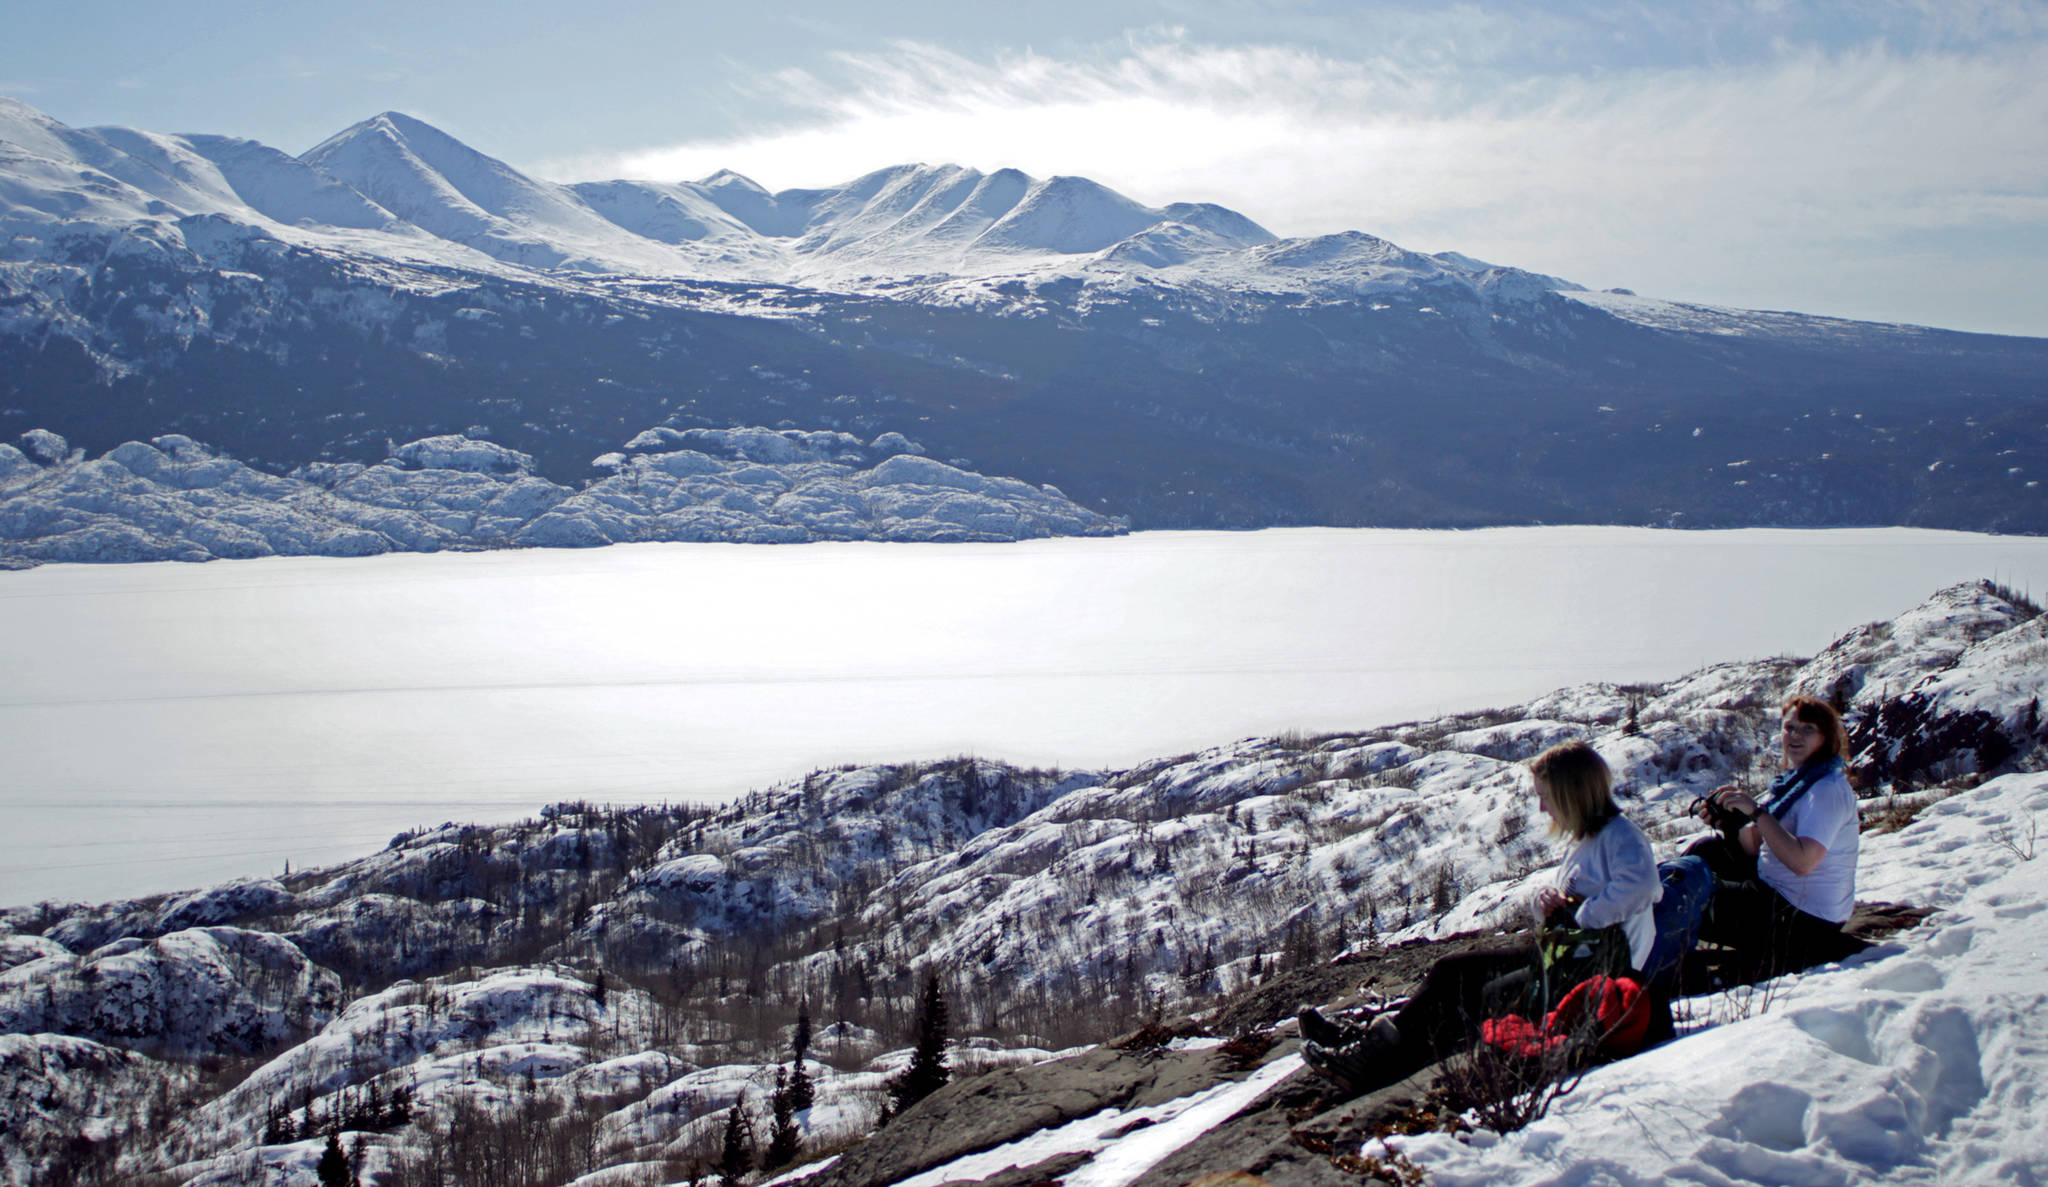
[[1884, 160]]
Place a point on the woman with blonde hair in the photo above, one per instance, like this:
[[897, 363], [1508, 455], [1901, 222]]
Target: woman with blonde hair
[[1600, 898]]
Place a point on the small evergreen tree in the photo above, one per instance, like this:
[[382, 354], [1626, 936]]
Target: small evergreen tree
[[278, 1129], [801, 1094], [736, 1156], [782, 1139], [927, 1072], [334, 1169]]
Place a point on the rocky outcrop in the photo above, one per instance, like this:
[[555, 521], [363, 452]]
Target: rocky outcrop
[[203, 991], [1952, 687], [1012, 1103], [175, 499], [71, 1102]]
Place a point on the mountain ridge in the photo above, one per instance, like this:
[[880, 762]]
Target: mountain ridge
[[1177, 366], [423, 176]]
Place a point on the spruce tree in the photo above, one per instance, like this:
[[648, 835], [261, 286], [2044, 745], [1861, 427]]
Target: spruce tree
[[736, 1157], [927, 1072], [782, 1139], [333, 1169], [801, 1094]]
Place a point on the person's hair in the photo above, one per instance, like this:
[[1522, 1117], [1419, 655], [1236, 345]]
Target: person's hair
[[1581, 788], [1834, 737]]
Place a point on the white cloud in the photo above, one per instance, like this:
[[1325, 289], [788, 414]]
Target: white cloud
[[1756, 184]]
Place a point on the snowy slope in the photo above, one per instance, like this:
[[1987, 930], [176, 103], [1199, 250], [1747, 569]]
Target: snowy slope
[[1719, 321], [1922, 1061], [631, 974], [1919, 1061], [454, 192]]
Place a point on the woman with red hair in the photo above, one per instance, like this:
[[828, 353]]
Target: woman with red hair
[[1803, 837]]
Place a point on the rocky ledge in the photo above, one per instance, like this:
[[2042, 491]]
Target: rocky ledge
[[173, 498]]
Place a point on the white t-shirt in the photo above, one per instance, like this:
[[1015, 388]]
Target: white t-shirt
[[1826, 813]]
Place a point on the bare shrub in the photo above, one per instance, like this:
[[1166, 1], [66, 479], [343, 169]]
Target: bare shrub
[[1890, 813], [1505, 1091], [2020, 845]]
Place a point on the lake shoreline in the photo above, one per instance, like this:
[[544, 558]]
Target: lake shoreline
[[171, 725]]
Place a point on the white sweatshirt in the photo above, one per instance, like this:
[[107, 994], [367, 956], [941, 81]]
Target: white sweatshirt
[[1615, 871]]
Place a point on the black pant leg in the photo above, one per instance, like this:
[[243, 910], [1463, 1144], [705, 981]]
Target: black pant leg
[[1769, 933], [1456, 995]]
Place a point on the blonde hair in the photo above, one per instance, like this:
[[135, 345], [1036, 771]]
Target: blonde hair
[[1834, 736], [1581, 787]]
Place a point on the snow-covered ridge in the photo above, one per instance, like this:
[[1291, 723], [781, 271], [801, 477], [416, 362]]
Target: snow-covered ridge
[[396, 187], [175, 499], [634, 972], [1719, 321]]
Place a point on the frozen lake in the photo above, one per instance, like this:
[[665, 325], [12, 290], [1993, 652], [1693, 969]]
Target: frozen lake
[[167, 725]]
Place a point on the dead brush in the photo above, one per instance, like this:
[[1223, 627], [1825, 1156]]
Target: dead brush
[[1243, 1053], [1890, 813], [1504, 1091], [1150, 1038]]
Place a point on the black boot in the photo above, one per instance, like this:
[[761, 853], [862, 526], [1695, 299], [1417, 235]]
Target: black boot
[[1360, 1065]]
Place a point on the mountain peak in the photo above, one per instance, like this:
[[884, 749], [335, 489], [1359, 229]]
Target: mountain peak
[[727, 179], [386, 125]]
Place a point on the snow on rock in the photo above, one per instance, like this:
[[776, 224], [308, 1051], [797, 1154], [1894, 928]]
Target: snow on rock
[[14, 463], [513, 1020], [1122, 1143], [764, 486], [56, 1089], [44, 446], [19, 950], [230, 902], [1881, 660], [1515, 741], [175, 499], [1952, 687], [456, 452], [216, 990]]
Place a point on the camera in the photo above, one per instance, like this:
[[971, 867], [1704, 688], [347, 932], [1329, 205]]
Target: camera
[[1718, 815]]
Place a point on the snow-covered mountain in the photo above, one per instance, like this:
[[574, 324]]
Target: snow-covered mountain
[[619, 978], [401, 181], [1175, 365], [400, 188]]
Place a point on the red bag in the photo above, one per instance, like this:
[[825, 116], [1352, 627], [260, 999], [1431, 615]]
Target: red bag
[[1620, 1016], [1518, 1036]]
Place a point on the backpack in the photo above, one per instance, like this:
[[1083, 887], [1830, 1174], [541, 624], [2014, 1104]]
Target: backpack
[[1609, 1015]]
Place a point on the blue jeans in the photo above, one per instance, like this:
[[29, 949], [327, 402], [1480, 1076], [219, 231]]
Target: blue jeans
[[1688, 885]]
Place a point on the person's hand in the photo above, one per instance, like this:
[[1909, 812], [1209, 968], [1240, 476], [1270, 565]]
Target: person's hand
[[1736, 801], [1705, 805], [1548, 899]]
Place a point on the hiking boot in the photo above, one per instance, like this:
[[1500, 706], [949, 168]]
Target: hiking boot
[[1315, 1028], [1357, 1066]]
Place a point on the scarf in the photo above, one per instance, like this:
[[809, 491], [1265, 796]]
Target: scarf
[[1787, 789]]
